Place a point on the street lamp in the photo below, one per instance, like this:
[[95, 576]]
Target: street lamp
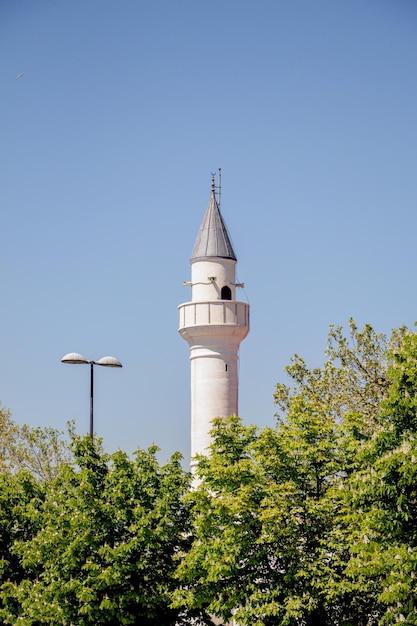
[[105, 361]]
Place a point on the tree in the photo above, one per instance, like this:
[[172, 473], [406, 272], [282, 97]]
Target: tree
[[269, 544], [41, 451], [8, 430], [309, 523], [222, 564], [106, 547], [260, 523], [351, 386], [352, 382], [21, 498], [381, 497]]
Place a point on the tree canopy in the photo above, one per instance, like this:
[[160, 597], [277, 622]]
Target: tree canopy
[[99, 546], [311, 522], [40, 451]]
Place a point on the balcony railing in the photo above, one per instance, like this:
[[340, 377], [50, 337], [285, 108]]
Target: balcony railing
[[214, 312]]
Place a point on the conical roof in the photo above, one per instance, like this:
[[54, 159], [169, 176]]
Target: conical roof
[[213, 240]]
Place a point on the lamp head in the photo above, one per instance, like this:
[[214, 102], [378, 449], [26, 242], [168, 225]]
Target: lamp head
[[74, 357], [108, 361]]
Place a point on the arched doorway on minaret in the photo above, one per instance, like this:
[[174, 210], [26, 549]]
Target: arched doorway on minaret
[[226, 293], [214, 323]]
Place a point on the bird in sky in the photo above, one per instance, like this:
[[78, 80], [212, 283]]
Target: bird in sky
[[20, 75]]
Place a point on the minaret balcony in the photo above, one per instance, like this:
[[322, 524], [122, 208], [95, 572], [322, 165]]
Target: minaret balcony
[[214, 313]]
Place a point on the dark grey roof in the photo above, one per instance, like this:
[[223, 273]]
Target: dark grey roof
[[213, 240]]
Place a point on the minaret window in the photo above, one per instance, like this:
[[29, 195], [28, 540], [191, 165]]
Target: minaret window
[[226, 293]]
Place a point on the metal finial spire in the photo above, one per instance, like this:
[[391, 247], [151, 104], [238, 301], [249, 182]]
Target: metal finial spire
[[219, 186], [213, 240]]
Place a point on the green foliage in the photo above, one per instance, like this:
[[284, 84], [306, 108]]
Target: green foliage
[[225, 526], [20, 499], [41, 451], [8, 430], [277, 517], [260, 522], [353, 378], [103, 552], [309, 523], [381, 524]]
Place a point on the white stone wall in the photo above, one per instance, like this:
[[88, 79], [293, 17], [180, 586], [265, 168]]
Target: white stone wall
[[203, 270], [214, 331]]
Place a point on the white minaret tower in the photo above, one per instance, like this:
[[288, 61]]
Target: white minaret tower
[[213, 323]]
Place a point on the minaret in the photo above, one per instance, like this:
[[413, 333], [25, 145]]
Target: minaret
[[213, 323]]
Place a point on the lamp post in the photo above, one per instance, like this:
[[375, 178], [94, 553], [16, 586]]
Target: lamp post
[[105, 361]]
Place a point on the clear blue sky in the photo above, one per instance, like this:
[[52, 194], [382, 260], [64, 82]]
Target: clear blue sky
[[107, 144]]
